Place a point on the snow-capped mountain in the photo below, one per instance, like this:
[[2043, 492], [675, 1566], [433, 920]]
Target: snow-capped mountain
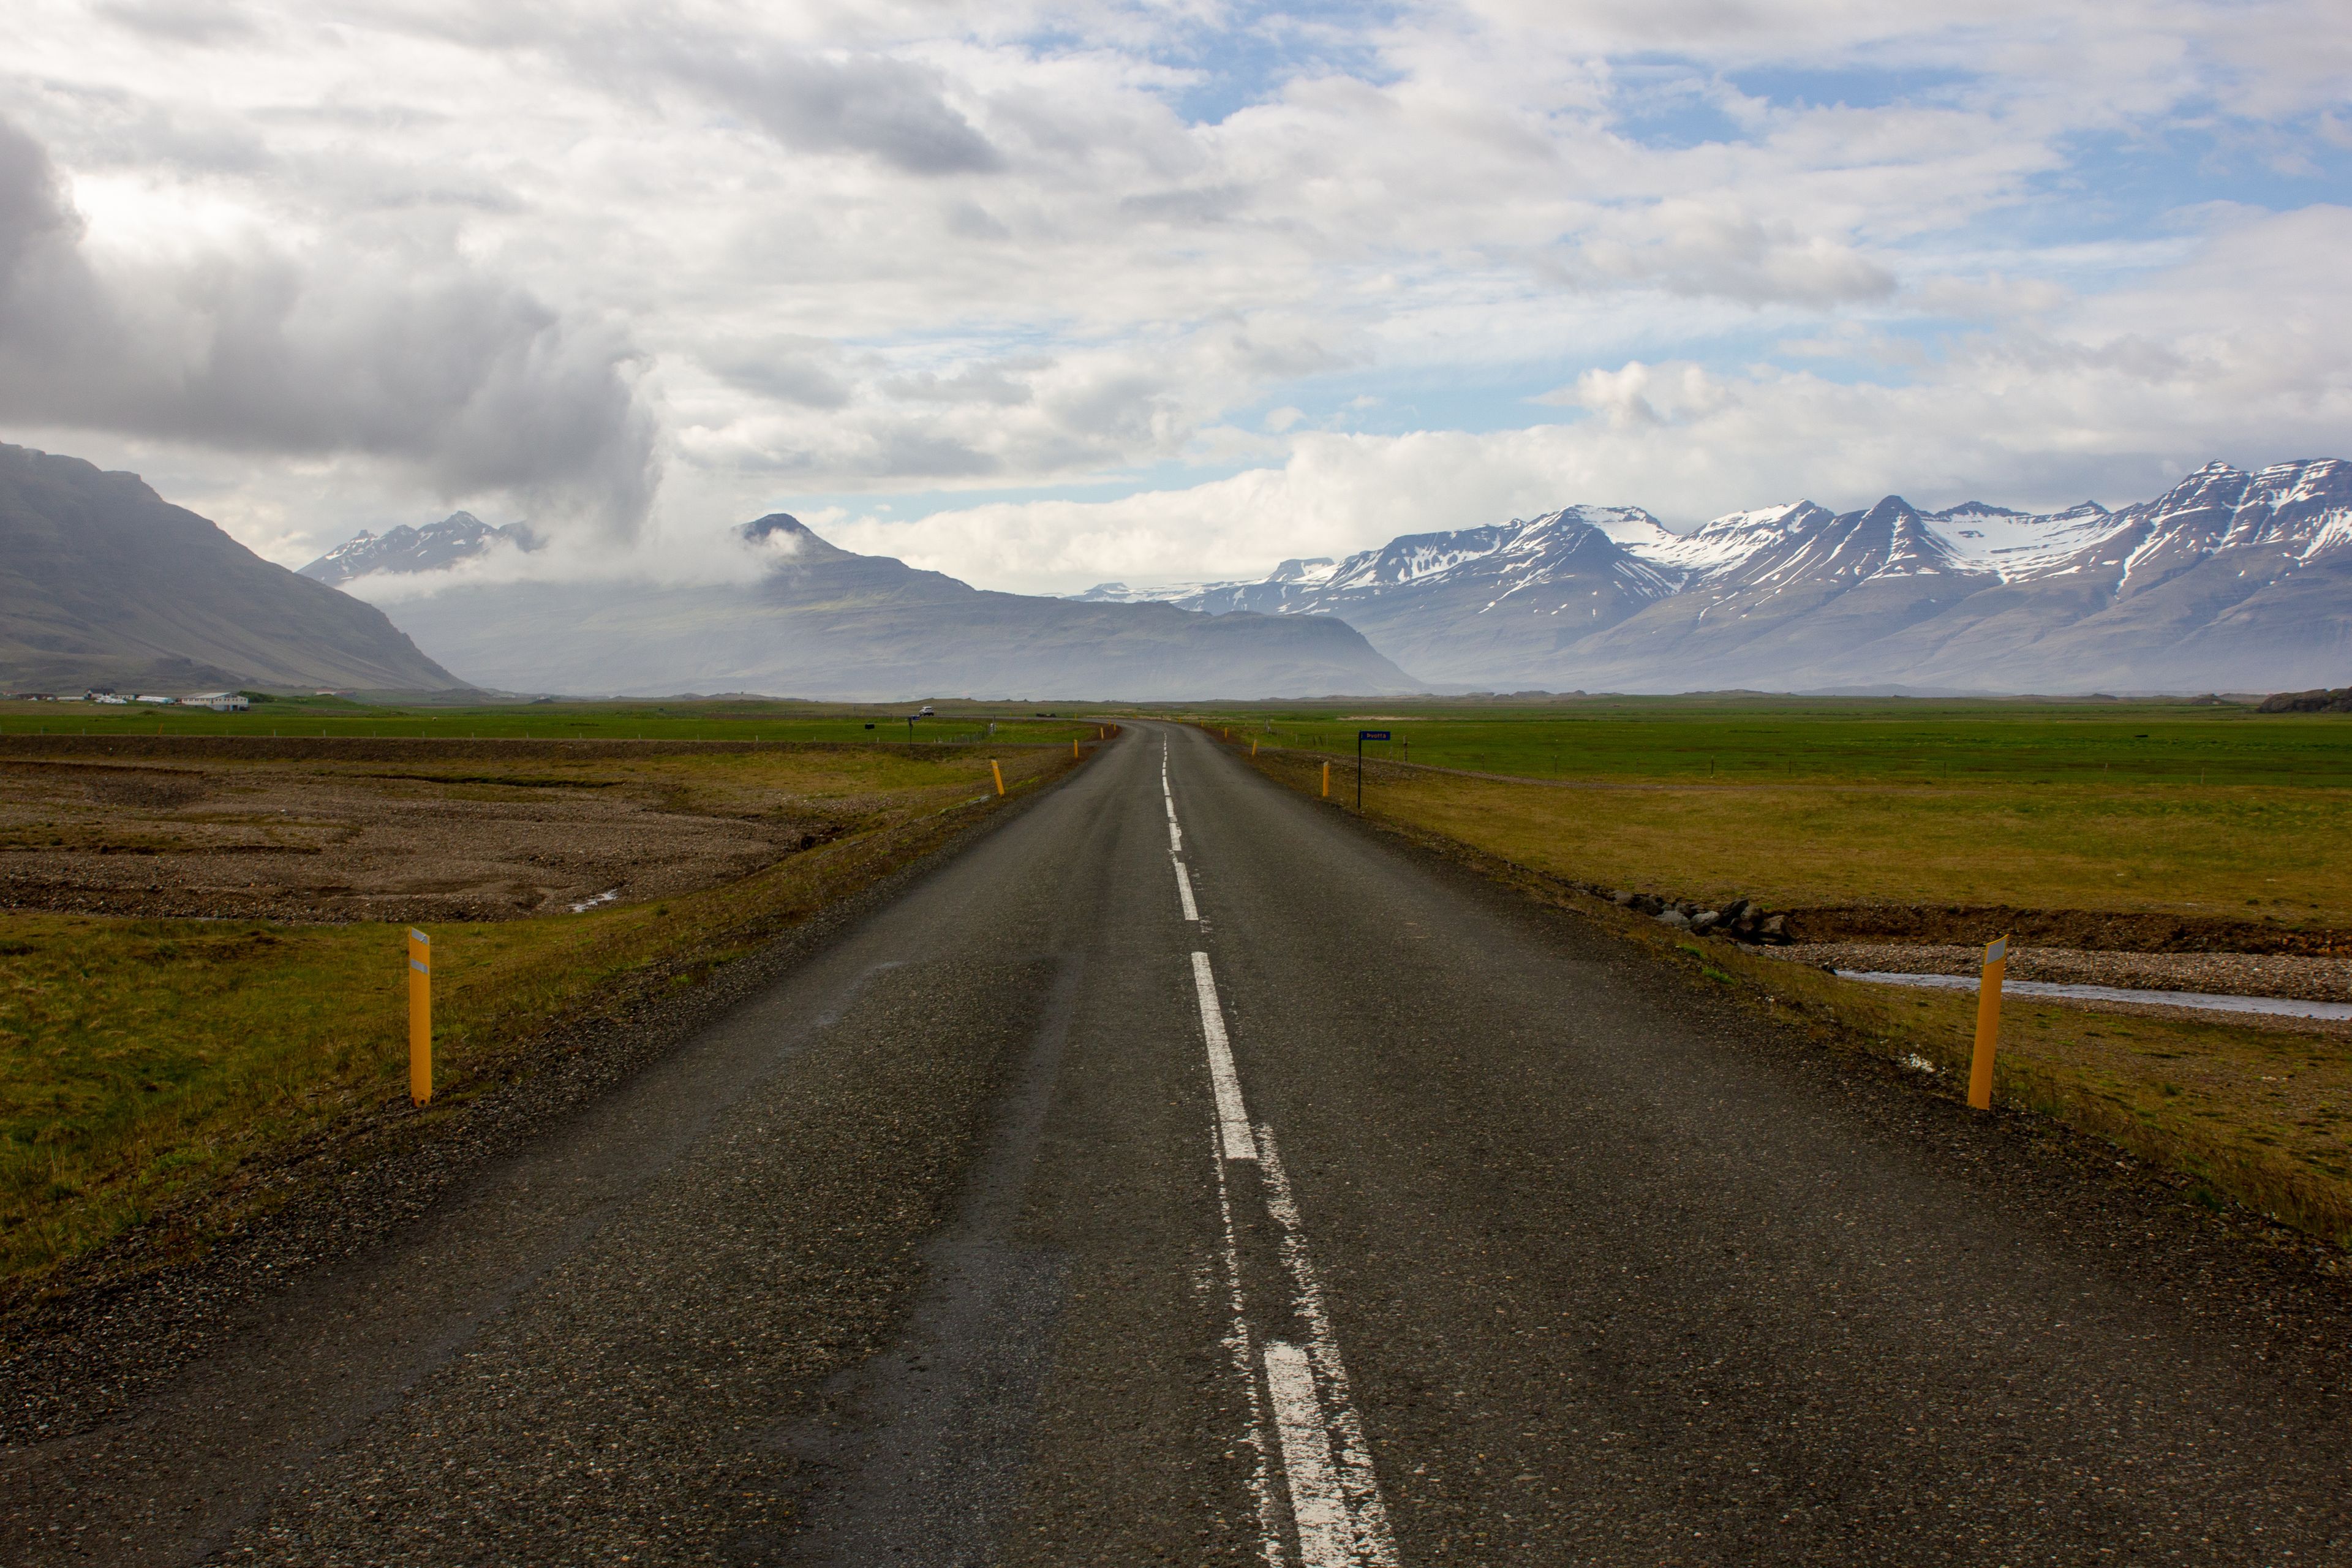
[[457, 537], [2230, 580], [1165, 594], [1291, 573]]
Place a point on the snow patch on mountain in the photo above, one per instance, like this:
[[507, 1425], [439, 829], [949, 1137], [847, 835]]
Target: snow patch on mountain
[[2016, 545], [1160, 594], [460, 536], [1729, 540]]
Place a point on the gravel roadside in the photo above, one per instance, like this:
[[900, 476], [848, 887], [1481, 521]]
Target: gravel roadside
[[2220, 974]]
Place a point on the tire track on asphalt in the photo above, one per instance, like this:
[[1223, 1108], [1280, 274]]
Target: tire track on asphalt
[[1337, 1517]]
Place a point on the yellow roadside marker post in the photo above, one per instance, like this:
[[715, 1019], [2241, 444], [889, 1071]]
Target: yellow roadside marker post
[[420, 1017], [1996, 964], [999, 772], [1327, 781], [1253, 745], [1074, 746]]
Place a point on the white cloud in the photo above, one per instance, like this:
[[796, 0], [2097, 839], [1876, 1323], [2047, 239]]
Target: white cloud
[[472, 384], [2243, 352], [524, 258]]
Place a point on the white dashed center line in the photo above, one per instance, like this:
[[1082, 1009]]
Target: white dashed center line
[[1238, 1348], [1326, 1539], [1374, 1544], [1232, 1122], [1337, 1517]]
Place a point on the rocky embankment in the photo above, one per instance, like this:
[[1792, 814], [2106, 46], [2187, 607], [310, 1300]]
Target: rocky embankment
[[1742, 919]]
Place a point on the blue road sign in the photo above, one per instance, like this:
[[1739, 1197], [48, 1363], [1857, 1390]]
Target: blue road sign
[[1371, 734]]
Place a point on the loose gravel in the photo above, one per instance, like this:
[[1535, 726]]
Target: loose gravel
[[2217, 974]]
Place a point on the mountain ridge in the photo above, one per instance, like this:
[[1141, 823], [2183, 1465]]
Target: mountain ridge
[[2229, 580]]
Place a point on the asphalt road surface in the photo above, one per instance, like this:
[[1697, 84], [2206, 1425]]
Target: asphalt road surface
[[1184, 1173]]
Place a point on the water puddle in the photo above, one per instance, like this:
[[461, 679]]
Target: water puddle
[[2286, 1006]]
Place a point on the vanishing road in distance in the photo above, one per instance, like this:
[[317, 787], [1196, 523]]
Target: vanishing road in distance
[[1213, 1181]]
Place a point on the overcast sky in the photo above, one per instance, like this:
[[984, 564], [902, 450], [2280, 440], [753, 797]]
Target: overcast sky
[[1043, 295]]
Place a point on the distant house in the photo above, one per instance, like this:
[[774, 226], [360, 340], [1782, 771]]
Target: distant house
[[218, 701], [157, 701], [108, 697]]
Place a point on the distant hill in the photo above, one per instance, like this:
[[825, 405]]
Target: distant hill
[[823, 622], [2230, 580], [460, 536], [104, 582]]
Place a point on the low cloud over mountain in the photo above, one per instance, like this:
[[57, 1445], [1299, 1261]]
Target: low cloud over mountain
[[813, 620], [460, 536]]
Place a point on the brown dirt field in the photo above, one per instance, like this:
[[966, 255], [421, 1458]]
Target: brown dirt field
[[421, 830]]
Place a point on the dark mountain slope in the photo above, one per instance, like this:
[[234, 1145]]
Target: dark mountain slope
[[104, 582]]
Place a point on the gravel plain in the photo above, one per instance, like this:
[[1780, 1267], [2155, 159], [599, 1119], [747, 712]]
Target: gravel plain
[[377, 831]]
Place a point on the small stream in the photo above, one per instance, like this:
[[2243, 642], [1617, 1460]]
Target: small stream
[[2289, 1007]]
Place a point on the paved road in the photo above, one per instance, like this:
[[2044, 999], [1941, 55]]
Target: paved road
[[1183, 1173]]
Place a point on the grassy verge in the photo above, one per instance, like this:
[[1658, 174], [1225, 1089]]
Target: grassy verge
[[155, 1068], [1760, 738], [2221, 851], [2254, 1115]]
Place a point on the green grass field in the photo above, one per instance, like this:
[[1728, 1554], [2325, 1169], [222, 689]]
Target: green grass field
[[2214, 812], [1856, 741], [714, 721]]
